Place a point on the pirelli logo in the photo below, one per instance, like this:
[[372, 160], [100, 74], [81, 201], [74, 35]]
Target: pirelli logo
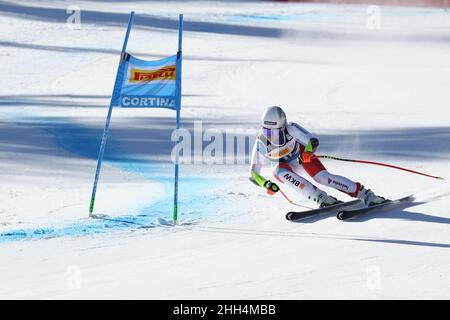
[[165, 73]]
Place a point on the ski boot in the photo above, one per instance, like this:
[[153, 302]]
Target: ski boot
[[370, 198], [324, 200]]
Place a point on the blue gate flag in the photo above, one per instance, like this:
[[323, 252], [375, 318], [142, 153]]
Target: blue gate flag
[[146, 84]]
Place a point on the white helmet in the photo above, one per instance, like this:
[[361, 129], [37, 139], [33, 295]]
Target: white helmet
[[273, 125], [274, 118]]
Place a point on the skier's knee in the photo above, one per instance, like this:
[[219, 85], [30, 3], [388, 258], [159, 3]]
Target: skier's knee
[[322, 177], [280, 169]]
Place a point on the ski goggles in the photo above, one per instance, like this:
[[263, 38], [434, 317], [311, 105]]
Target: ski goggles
[[276, 137]]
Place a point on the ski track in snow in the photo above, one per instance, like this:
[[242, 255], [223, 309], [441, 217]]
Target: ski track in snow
[[196, 198]]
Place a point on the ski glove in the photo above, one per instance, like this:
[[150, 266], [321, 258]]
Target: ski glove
[[271, 187], [307, 157], [308, 154], [314, 142]]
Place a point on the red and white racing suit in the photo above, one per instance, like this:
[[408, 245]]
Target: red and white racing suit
[[289, 170]]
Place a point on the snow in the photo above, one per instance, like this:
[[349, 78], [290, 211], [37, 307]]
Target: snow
[[380, 95]]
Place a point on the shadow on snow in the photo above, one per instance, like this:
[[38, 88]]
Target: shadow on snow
[[143, 21]]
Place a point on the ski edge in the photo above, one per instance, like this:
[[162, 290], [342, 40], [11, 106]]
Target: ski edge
[[319, 211], [385, 205]]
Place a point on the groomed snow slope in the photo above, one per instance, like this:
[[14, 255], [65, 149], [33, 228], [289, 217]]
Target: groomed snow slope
[[370, 94]]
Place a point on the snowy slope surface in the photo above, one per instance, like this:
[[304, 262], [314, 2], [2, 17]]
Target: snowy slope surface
[[369, 94]]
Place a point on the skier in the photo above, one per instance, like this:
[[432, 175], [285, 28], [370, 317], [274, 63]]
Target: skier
[[291, 150]]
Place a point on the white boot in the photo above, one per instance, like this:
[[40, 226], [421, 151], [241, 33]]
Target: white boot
[[323, 199], [369, 198]]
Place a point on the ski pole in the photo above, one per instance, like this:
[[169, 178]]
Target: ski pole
[[292, 202], [379, 164]]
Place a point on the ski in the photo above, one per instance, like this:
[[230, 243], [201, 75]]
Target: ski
[[388, 205], [300, 215]]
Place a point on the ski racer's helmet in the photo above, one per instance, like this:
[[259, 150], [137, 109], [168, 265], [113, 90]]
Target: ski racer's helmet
[[273, 125]]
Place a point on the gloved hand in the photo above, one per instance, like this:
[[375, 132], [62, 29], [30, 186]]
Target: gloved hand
[[271, 187], [314, 143], [307, 157], [308, 154]]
